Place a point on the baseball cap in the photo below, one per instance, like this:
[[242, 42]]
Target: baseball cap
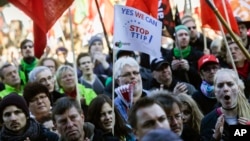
[[207, 59], [121, 53], [157, 63]]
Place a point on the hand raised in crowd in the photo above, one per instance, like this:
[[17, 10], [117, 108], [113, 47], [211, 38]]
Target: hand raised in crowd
[[206, 51], [180, 88], [243, 121], [100, 57], [219, 127], [175, 64], [184, 64], [14, 59], [180, 64]]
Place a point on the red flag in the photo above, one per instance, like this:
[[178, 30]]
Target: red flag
[[107, 13], [148, 6], [44, 14], [167, 19], [208, 17]]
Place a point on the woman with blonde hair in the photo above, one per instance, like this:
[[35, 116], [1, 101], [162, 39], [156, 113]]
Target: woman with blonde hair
[[234, 110], [192, 115]]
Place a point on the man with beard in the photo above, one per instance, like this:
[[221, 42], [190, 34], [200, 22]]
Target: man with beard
[[69, 120], [183, 58], [29, 61], [17, 124], [127, 76], [234, 110]]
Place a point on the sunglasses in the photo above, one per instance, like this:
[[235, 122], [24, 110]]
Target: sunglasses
[[192, 27], [28, 46]]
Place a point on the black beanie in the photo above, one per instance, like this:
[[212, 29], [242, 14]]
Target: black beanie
[[16, 100]]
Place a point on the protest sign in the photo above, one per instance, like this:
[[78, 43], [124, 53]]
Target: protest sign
[[137, 31]]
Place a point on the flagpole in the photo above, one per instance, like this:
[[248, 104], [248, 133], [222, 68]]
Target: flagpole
[[218, 15], [74, 58], [103, 27], [227, 47], [226, 13], [112, 55]]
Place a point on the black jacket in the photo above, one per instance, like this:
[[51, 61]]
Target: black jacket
[[205, 104], [192, 73], [35, 132]]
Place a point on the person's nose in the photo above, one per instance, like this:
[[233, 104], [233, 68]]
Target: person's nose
[[69, 123], [13, 117], [225, 87], [174, 121], [39, 100], [159, 125]]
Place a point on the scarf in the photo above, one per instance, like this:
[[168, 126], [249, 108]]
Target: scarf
[[182, 53], [33, 132], [27, 67], [207, 89]]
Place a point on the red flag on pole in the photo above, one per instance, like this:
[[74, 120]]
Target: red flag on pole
[[148, 6], [44, 14], [107, 11], [208, 17]]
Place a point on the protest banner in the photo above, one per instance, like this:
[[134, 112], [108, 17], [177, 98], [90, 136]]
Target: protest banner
[[137, 31]]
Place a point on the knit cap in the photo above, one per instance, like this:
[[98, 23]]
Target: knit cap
[[94, 39], [15, 100], [179, 27]]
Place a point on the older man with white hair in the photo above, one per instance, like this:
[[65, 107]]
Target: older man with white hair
[[127, 76]]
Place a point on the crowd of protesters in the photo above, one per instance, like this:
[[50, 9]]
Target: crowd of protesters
[[191, 93]]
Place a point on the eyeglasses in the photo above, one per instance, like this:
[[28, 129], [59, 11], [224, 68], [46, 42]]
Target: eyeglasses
[[176, 117], [128, 74], [39, 97], [44, 81], [28, 46], [192, 27]]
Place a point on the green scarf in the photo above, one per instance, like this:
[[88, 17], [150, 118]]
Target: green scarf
[[28, 67], [182, 53]]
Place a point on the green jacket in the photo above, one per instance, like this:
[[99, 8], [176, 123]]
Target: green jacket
[[9, 89], [86, 93]]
